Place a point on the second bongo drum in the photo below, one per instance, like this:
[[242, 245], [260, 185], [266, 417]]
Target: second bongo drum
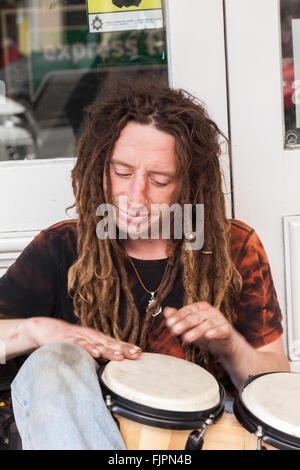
[[268, 406], [160, 401]]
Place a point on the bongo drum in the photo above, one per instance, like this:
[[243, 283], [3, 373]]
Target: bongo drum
[[268, 406], [160, 401]]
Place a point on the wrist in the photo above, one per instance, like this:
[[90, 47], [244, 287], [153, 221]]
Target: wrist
[[239, 364], [236, 350], [30, 331]]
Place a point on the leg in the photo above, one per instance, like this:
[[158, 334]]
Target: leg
[[58, 403]]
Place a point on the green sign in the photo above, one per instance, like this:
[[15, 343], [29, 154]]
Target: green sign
[[75, 49]]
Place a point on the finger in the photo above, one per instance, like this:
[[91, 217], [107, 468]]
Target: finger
[[128, 349], [113, 355], [118, 350], [176, 315], [113, 346], [220, 332], [201, 309], [133, 353], [99, 350], [187, 323], [109, 354], [169, 311], [208, 330], [91, 348]]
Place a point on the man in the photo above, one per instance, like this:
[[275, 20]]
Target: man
[[117, 296]]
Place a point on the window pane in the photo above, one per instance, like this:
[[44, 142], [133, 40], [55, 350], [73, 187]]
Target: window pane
[[51, 68], [290, 33]]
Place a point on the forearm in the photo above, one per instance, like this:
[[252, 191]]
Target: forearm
[[246, 360], [16, 337]]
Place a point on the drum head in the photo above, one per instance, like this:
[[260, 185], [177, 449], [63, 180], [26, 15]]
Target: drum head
[[272, 401], [163, 386]]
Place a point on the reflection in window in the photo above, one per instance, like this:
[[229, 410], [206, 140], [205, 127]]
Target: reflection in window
[[51, 68], [290, 32]]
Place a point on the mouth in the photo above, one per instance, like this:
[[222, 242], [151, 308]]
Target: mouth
[[130, 217]]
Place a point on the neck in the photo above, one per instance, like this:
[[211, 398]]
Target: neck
[[146, 249]]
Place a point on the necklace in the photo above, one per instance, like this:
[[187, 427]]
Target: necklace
[[152, 300]]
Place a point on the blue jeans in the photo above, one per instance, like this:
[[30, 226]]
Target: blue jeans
[[58, 403]]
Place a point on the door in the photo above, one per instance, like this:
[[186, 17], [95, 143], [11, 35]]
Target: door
[[45, 51], [263, 56]]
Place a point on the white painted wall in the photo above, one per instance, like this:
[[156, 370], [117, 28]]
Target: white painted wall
[[34, 193]]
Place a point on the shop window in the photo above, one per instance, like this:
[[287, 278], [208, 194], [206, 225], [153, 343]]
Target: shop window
[[52, 67]]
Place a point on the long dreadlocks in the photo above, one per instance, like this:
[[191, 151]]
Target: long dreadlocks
[[98, 276]]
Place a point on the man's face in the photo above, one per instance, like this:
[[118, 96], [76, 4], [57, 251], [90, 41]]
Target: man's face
[[143, 172]]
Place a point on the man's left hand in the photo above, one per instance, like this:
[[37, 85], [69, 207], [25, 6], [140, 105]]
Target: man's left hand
[[201, 322]]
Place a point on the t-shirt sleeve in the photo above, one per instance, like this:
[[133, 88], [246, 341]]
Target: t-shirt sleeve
[[28, 288], [257, 314]]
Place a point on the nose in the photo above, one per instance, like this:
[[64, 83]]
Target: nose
[[138, 191]]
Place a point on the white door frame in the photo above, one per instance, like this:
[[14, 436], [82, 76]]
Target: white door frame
[[197, 62], [265, 176]]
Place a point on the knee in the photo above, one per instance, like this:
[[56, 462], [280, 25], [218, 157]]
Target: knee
[[49, 362], [60, 353]]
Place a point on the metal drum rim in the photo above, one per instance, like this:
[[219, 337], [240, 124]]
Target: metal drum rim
[[166, 419], [249, 421]]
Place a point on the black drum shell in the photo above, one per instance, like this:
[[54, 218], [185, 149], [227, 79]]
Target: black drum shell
[[249, 421], [159, 418]]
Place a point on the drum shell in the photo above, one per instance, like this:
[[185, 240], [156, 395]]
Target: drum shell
[[249, 421], [229, 434], [145, 428], [226, 434], [137, 436]]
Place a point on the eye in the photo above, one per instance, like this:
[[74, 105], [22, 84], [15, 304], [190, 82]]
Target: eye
[[119, 173], [160, 183]]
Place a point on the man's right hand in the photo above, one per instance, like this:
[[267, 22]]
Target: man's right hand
[[44, 330]]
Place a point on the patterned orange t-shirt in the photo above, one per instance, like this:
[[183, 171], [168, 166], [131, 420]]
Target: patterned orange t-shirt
[[36, 285]]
